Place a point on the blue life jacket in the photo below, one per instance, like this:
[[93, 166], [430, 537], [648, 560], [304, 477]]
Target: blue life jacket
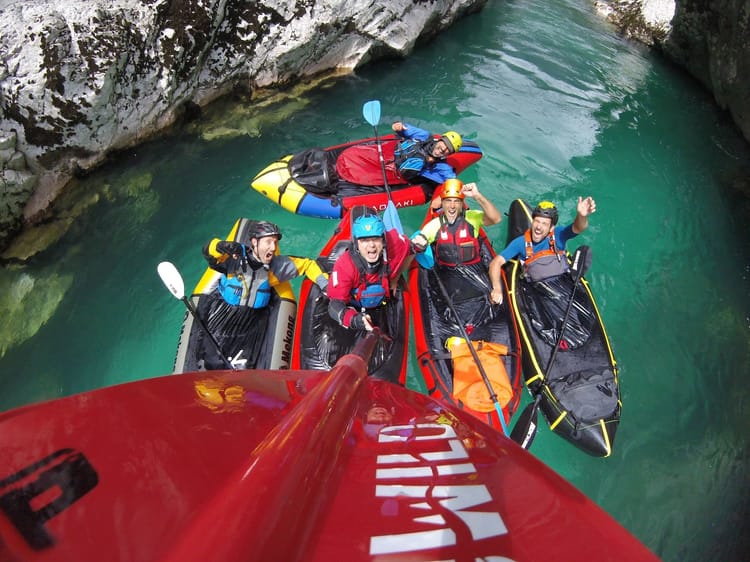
[[232, 291], [370, 296]]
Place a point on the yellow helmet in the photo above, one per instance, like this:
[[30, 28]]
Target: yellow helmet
[[452, 187], [547, 210], [452, 140]]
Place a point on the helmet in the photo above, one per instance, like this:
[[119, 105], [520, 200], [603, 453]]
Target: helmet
[[452, 140], [546, 209], [265, 228], [452, 188], [367, 226]]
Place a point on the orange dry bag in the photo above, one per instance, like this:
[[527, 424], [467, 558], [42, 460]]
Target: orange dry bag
[[468, 385]]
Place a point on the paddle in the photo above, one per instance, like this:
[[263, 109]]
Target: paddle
[[474, 354], [173, 281], [371, 112], [525, 429]]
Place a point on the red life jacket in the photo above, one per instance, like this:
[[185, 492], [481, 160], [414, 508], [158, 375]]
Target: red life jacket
[[455, 244], [544, 264]]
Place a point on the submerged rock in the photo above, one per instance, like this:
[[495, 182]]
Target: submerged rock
[[31, 301]]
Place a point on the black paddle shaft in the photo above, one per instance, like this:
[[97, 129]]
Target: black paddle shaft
[[581, 262], [462, 329], [203, 326]]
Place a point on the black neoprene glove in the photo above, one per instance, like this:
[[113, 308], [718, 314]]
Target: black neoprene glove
[[226, 247], [357, 322]]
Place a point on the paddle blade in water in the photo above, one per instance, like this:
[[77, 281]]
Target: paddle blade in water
[[525, 429], [171, 278], [371, 112]]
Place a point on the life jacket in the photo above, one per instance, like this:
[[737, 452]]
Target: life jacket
[[236, 290], [455, 244], [544, 264], [370, 295], [410, 157]]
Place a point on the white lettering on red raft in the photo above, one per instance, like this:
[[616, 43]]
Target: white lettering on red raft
[[448, 459], [407, 203]]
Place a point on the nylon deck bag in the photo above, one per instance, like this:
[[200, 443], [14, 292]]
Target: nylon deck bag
[[468, 384]]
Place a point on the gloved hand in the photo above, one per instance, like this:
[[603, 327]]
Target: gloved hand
[[361, 321], [419, 242], [226, 247]]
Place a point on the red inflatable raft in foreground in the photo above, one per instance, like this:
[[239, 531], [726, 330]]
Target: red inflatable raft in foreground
[[226, 466]]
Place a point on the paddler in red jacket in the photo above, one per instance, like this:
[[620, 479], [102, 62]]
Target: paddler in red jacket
[[366, 276]]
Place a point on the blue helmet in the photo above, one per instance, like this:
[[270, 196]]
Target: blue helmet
[[367, 226]]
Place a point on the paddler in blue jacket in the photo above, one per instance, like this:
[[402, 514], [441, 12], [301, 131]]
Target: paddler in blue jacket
[[420, 155], [542, 247]]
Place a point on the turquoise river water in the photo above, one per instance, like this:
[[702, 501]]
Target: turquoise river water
[[562, 107]]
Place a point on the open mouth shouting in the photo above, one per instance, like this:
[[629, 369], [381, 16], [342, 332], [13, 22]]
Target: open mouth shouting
[[265, 249], [370, 248]]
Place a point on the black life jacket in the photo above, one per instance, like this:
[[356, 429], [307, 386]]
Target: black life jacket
[[411, 156]]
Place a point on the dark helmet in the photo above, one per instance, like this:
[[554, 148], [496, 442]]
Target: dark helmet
[[547, 210], [265, 228]]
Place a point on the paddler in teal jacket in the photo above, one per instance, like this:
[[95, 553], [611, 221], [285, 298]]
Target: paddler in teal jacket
[[237, 312], [249, 272]]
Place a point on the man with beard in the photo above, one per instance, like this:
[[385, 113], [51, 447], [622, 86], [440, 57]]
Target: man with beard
[[243, 294], [542, 247], [457, 249], [455, 232]]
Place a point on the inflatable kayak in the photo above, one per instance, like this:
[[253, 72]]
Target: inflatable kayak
[[326, 182], [263, 335], [320, 341], [441, 352], [580, 395], [282, 465]]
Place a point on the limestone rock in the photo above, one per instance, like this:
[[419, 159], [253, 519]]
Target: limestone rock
[[709, 38], [80, 78]]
